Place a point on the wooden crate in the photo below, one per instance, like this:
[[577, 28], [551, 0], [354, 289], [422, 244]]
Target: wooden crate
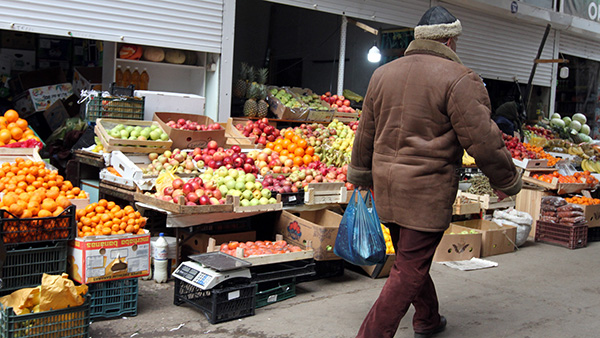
[[323, 193], [129, 146], [488, 202], [267, 259], [235, 137], [561, 188], [10, 154], [182, 209], [530, 201], [345, 117], [465, 206], [235, 201]]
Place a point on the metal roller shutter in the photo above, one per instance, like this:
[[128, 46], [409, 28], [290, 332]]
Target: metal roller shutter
[[404, 13], [183, 24], [501, 49], [578, 46]]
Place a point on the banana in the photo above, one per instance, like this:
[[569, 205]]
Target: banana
[[585, 165], [596, 166]]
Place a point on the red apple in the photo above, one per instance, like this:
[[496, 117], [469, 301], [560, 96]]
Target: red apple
[[212, 144], [177, 183]]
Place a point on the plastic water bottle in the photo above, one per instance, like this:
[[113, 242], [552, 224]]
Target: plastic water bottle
[[161, 260]]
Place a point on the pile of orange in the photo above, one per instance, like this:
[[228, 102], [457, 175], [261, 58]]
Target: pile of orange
[[107, 218], [32, 190], [582, 200], [293, 146], [541, 154], [14, 129]]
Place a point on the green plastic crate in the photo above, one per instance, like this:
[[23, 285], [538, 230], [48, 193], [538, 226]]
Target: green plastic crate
[[24, 267], [114, 298], [115, 107], [276, 294], [71, 322]]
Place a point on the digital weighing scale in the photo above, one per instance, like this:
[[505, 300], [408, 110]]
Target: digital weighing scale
[[207, 270]]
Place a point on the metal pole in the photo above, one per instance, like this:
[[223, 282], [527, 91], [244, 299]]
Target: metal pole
[[530, 83], [342, 58]]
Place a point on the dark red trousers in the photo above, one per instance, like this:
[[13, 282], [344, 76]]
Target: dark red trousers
[[409, 283]]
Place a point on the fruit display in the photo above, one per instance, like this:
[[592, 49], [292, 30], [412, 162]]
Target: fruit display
[[215, 157], [591, 164], [516, 148], [257, 248], [578, 177], [541, 154], [150, 133], [31, 190], [178, 161], [389, 245], [573, 128], [184, 124], [236, 182], [582, 200], [107, 218], [339, 103], [538, 131], [261, 130], [313, 101], [14, 129], [286, 98], [194, 192]]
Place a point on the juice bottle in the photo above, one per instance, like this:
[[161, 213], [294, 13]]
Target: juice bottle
[[119, 76], [126, 77], [144, 79], [135, 78]]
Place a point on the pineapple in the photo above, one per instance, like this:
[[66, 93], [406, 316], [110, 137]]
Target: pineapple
[[263, 106], [239, 89], [251, 81], [250, 106]]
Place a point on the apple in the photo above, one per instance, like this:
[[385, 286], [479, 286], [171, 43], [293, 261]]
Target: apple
[[204, 200], [177, 183]]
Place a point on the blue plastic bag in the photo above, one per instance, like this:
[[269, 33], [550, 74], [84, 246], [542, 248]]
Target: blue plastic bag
[[360, 238]]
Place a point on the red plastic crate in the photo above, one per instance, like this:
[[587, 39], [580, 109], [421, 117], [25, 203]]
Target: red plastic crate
[[570, 236]]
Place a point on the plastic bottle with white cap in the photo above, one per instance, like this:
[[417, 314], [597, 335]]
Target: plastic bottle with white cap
[[161, 260]]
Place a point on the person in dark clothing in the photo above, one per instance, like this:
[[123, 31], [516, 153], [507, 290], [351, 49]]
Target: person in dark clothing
[[507, 117]]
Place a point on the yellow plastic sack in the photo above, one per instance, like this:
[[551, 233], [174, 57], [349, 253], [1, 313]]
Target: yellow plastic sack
[[165, 179]]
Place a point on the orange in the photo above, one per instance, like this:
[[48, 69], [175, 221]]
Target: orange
[[307, 159], [277, 148], [286, 143], [295, 138], [270, 145], [52, 193], [21, 123], [16, 209], [299, 152], [284, 152], [63, 202], [102, 202], [292, 147], [16, 133], [49, 205], [279, 141], [310, 150], [58, 211], [298, 161], [27, 213], [5, 136], [44, 213], [289, 134], [302, 143], [128, 209], [100, 209], [109, 205], [11, 115], [3, 120]]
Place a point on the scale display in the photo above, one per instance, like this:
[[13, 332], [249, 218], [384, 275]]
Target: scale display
[[210, 269]]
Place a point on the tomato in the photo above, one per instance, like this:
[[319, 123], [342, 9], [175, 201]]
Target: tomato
[[233, 245]]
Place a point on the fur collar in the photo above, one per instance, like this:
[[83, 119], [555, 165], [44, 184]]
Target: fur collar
[[420, 46]]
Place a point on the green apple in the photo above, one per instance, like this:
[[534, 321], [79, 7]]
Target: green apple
[[223, 189], [266, 193], [247, 195], [155, 135], [263, 201], [250, 177], [164, 137], [145, 132], [272, 200], [245, 203], [124, 134], [233, 173], [258, 186], [115, 133], [240, 185], [129, 129], [230, 184], [254, 201]]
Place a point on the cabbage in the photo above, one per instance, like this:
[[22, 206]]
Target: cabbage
[[585, 129], [557, 123], [555, 116], [580, 117], [575, 125]]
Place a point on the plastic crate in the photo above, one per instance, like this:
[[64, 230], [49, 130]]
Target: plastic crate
[[70, 322], [275, 294], [284, 270], [16, 231], [572, 237], [593, 234], [325, 269], [24, 267], [114, 298], [115, 107], [292, 198], [219, 305]]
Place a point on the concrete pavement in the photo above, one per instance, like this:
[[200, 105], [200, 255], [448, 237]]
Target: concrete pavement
[[541, 290]]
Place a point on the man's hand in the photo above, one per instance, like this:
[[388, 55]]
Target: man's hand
[[500, 195]]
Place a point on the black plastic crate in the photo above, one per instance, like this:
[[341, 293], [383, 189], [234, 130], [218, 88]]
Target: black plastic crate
[[274, 293], [115, 107], [281, 271], [325, 269], [292, 198], [114, 298], [24, 267], [73, 322], [18, 231], [593, 234], [220, 304]]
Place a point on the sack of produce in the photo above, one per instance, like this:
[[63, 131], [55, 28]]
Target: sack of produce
[[519, 219]]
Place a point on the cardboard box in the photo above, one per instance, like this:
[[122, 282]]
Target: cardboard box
[[187, 139], [382, 269], [319, 226], [39, 78], [17, 40], [592, 215], [87, 78], [56, 114], [41, 98], [457, 246], [170, 102], [495, 239], [96, 259], [18, 60], [199, 242], [530, 201]]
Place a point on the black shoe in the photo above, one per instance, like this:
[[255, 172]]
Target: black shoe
[[432, 332]]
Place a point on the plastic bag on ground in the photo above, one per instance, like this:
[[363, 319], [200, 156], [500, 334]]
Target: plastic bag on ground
[[360, 238]]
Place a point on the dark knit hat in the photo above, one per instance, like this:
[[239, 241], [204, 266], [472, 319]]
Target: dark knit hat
[[437, 23]]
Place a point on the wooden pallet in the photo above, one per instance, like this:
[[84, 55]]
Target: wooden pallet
[[267, 259]]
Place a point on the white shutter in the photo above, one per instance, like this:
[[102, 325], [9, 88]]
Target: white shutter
[[405, 13], [577, 46], [501, 49], [184, 24]]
